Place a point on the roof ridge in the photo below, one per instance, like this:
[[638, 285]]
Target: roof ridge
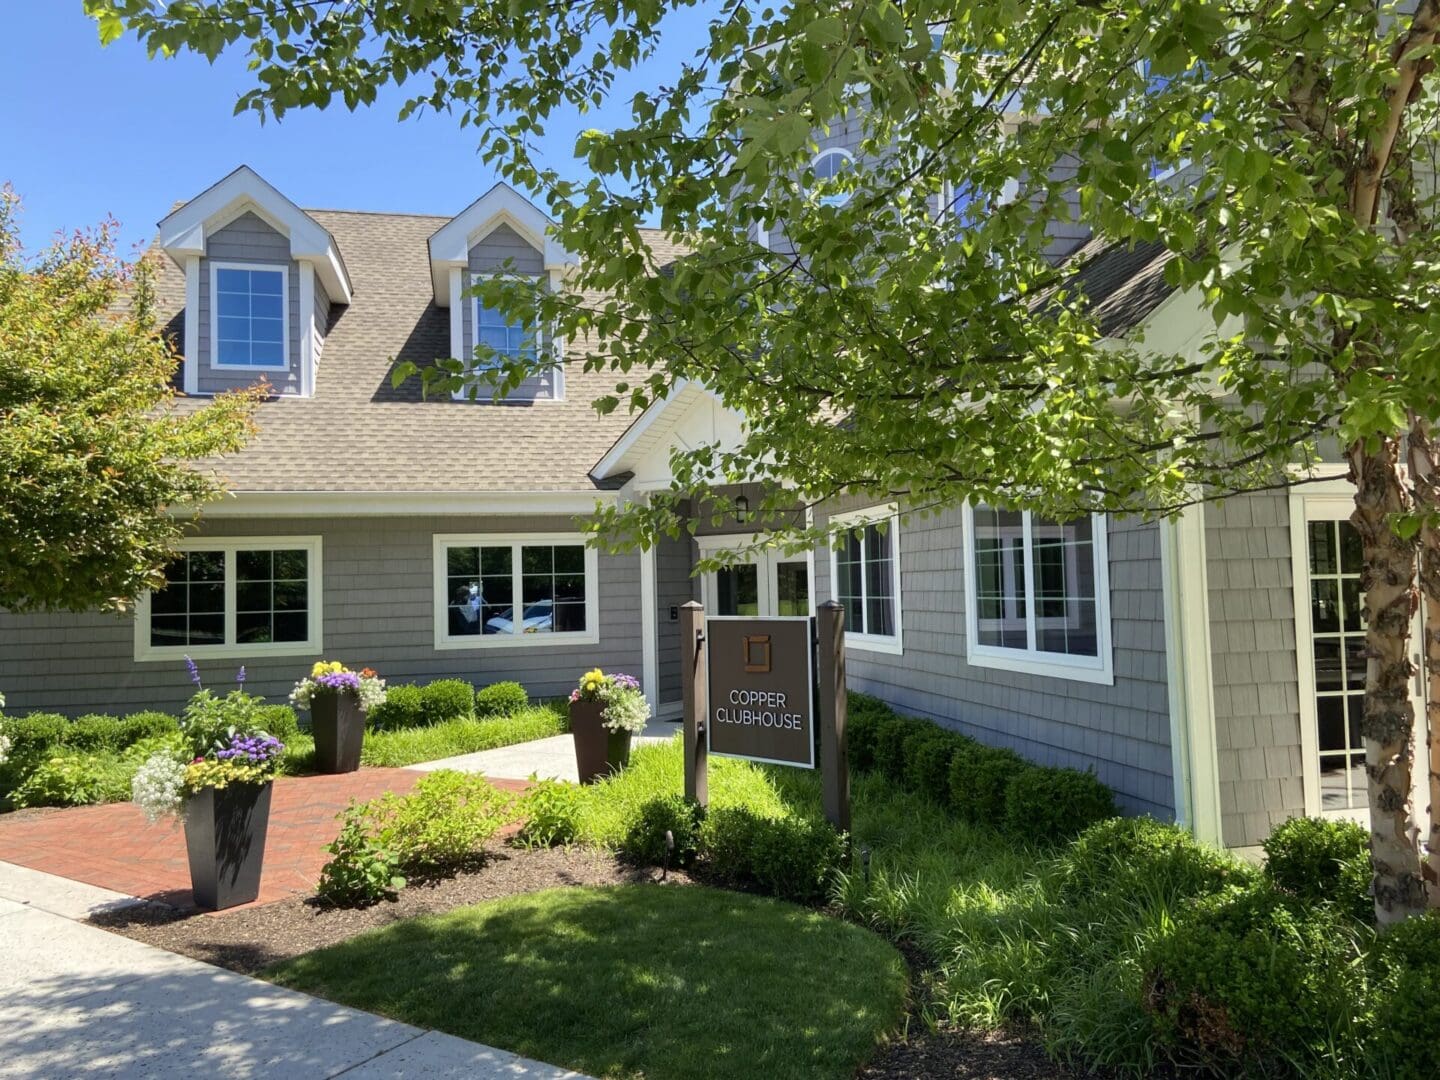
[[377, 213]]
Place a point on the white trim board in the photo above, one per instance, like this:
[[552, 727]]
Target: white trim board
[[311, 504], [283, 269]]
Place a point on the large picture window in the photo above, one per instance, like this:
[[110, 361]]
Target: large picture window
[[865, 572], [1037, 596], [514, 590], [250, 314], [234, 598]]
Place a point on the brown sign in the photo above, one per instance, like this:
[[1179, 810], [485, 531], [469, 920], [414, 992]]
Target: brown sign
[[762, 689]]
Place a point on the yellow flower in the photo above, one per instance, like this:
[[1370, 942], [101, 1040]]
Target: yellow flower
[[333, 667]]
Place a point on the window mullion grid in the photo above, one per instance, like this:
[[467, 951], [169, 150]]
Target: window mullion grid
[[1027, 542], [231, 564]]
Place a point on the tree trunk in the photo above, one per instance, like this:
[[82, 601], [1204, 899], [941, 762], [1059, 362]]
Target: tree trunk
[[1388, 724], [1424, 456]]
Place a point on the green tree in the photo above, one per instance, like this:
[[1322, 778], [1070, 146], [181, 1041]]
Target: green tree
[[1280, 153], [93, 451]]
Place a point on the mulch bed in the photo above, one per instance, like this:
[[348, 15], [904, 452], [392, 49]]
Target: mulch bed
[[248, 939], [951, 1055]]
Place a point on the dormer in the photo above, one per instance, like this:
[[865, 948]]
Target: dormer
[[260, 276], [501, 232]]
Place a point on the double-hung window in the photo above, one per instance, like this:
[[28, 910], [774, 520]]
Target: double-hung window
[[501, 590], [235, 598], [1037, 594], [500, 339], [250, 303], [865, 570]]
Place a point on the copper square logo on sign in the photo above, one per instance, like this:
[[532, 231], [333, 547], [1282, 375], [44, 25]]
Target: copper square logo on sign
[[762, 689]]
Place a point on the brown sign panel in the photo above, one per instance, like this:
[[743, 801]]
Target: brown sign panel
[[762, 689]]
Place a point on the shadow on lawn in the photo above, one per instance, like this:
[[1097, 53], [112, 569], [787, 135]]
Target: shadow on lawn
[[668, 982]]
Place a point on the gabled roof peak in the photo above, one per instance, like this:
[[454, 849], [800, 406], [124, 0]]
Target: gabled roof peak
[[184, 230], [450, 245]]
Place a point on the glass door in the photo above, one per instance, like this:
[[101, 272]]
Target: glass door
[[766, 584]]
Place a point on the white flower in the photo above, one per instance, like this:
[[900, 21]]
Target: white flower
[[157, 784], [371, 693], [5, 745], [623, 709]]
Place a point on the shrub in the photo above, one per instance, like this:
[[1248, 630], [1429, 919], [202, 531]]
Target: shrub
[[862, 726], [447, 699], [1407, 1013], [208, 718], [891, 734], [1317, 860], [402, 708], [551, 814], [360, 871], [444, 822], [149, 725], [927, 761], [278, 720], [1141, 859], [793, 858], [1055, 804], [500, 699], [979, 777], [94, 732], [1250, 977], [33, 736], [644, 844], [75, 780]]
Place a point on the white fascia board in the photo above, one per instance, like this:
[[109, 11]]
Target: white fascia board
[[450, 244], [182, 232], [391, 504], [615, 458]]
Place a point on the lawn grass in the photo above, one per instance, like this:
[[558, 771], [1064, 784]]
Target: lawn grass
[[407, 746], [660, 981]]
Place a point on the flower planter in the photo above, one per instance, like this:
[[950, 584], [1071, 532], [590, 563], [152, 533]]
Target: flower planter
[[598, 750], [339, 729], [225, 839]]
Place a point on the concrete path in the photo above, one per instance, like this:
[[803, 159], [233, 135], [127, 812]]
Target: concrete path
[[76, 1001], [549, 759]]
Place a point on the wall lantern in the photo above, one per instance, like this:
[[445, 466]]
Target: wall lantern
[[742, 509]]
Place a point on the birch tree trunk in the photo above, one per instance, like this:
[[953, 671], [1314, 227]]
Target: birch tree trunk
[[1424, 458], [1388, 724]]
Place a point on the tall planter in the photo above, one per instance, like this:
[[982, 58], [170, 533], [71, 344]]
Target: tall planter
[[339, 729], [598, 750], [225, 840]]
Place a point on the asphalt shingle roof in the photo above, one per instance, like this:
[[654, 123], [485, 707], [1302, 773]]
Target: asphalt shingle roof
[[358, 434], [1122, 282]]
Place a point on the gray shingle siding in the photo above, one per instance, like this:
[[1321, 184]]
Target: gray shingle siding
[[1121, 731], [378, 597], [322, 319], [1252, 638], [248, 239], [503, 250], [674, 586]]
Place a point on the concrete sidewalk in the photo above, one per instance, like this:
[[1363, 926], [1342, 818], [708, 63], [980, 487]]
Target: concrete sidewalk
[[77, 1001], [548, 759]]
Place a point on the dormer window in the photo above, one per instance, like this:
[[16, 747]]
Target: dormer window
[[509, 338], [250, 330]]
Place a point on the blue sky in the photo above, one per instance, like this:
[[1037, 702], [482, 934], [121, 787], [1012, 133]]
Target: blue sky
[[89, 132]]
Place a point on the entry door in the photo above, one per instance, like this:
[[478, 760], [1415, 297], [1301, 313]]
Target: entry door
[[766, 584], [1331, 633]]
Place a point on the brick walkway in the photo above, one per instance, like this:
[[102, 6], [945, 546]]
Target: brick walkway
[[114, 847]]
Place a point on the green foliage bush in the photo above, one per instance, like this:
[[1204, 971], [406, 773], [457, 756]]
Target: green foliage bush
[[1318, 860], [34, 735], [1407, 1014], [928, 754], [500, 699], [794, 858], [447, 699], [1055, 803], [1250, 977], [280, 721], [862, 724], [402, 708], [644, 844], [75, 780], [550, 811], [891, 734], [360, 870], [1141, 860], [95, 732], [979, 777], [149, 724]]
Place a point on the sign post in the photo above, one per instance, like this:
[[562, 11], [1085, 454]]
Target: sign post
[[750, 690]]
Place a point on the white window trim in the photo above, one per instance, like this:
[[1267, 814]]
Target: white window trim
[[889, 515], [441, 594], [764, 558], [145, 652], [1032, 661], [545, 346], [823, 152], [284, 270]]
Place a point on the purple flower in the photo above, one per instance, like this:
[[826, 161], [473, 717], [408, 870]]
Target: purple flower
[[194, 671], [240, 676], [626, 682], [339, 680]]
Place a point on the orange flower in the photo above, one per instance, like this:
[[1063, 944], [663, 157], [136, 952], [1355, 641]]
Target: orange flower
[[367, 673]]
